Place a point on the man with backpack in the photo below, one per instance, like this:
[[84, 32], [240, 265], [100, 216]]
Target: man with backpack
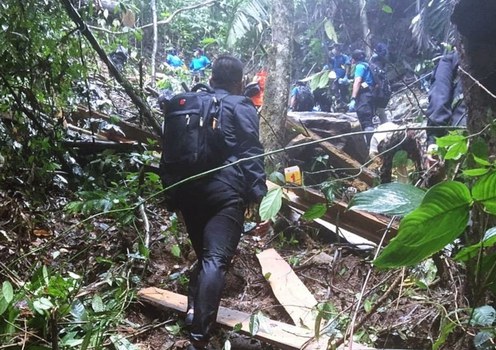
[[213, 205], [302, 99], [361, 95], [377, 64]]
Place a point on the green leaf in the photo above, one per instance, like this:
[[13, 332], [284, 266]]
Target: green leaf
[[97, 303], [442, 217], [271, 204], [390, 199], [483, 316], [8, 291], [238, 327], [457, 150], [254, 324], [484, 191], [277, 178], [475, 172], [449, 140], [330, 31], [42, 304], [470, 252], [176, 251], [121, 343], [4, 305], [387, 9], [483, 340], [316, 211]]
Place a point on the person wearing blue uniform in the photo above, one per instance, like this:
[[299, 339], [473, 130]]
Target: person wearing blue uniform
[[340, 63], [173, 60], [199, 63], [361, 94]]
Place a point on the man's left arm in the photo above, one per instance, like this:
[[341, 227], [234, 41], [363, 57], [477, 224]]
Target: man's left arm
[[248, 142]]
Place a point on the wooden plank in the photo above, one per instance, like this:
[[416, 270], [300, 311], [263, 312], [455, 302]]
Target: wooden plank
[[280, 334], [132, 132], [367, 225], [288, 289], [338, 157]]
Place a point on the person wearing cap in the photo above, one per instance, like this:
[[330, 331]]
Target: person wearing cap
[[213, 206], [361, 95]]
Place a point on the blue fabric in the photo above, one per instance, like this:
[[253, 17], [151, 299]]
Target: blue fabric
[[338, 64], [174, 60], [362, 70], [199, 63]]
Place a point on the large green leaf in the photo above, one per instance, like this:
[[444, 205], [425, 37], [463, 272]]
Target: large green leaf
[[442, 217], [330, 31], [271, 204], [390, 199], [484, 191]]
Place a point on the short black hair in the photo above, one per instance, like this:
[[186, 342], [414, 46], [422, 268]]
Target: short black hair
[[226, 70], [358, 55]]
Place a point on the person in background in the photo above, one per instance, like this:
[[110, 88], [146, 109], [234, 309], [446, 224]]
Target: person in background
[[361, 95], [199, 63], [446, 105], [340, 64], [173, 60], [301, 99], [213, 207], [260, 78], [379, 58]]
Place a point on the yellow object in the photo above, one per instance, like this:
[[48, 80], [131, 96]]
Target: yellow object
[[293, 175]]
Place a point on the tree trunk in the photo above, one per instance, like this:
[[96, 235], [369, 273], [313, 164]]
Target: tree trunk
[[475, 22], [276, 95], [365, 27], [153, 5]]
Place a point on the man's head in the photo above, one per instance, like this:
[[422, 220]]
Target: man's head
[[198, 52], [227, 74], [358, 55], [335, 49]]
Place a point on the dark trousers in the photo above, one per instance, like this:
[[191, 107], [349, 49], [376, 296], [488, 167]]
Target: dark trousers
[[214, 216], [365, 112]]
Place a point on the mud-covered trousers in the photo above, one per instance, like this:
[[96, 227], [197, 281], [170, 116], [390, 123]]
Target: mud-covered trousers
[[214, 214]]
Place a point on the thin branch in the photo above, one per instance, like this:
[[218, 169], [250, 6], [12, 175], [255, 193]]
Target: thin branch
[[477, 82], [178, 11]]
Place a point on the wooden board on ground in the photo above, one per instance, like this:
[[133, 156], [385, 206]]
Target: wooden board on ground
[[280, 334], [288, 289], [367, 225]]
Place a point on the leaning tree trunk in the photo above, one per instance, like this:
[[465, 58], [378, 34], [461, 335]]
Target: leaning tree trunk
[[365, 26], [276, 95], [475, 22]]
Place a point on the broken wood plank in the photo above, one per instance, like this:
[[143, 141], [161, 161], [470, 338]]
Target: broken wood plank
[[288, 289], [132, 132], [337, 157], [280, 334], [367, 225]]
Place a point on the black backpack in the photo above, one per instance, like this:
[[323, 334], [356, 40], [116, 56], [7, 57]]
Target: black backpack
[[382, 87], [192, 140], [304, 99]]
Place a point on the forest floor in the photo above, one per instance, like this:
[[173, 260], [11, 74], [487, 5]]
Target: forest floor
[[400, 309]]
